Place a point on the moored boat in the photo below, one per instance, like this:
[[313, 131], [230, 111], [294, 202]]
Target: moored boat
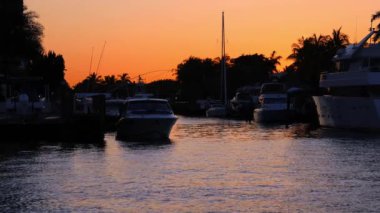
[[352, 98], [273, 105], [217, 110], [220, 109], [146, 118]]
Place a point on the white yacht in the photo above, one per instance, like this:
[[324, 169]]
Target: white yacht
[[273, 105], [146, 118], [353, 89]]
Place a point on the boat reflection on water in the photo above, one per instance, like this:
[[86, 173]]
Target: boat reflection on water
[[147, 144]]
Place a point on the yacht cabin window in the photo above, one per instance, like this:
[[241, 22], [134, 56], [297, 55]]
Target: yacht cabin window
[[148, 106], [373, 64], [342, 66]]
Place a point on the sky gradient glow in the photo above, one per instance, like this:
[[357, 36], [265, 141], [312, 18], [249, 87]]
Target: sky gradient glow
[[149, 35]]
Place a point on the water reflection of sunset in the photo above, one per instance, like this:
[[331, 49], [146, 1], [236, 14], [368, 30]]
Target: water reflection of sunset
[[249, 168], [144, 36]]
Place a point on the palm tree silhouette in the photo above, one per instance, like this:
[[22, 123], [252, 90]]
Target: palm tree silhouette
[[275, 60], [109, 80], [313, 55], [375, 17], [124, 78], [93, 81], [339, 40]]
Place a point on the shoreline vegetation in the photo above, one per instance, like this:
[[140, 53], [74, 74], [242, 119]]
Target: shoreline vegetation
[[195, 78]]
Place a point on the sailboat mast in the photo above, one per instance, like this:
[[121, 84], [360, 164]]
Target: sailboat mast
[[222, 61], [224, 73]]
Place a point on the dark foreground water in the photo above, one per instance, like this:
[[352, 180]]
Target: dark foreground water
[[209, 165]]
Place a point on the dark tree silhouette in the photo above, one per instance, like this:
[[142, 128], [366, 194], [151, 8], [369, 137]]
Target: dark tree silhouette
[[375, 17], [119, 86], [201, 78], [123, 86], [198, 79], [92, 83], [21, 35], [109, 80], [338, 40], [124, 78], [290, 76], [251, 69], [163, 88], [275, 61], [51, 67], [314, 54], [32, 33]]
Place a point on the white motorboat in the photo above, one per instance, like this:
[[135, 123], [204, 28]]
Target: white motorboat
[[146, 118], [273, 106], [353, 89]]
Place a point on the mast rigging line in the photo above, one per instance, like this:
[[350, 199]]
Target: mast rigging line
[[154, 71], [101, 56], [92, 54]]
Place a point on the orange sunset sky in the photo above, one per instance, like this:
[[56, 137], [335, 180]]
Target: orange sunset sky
[[149, 35]]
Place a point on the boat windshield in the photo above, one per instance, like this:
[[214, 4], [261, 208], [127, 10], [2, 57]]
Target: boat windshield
[[274, 100], [113, 104], [243, 96], [143, 107]]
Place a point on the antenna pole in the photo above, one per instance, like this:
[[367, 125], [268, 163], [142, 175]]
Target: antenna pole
[[356, 30]]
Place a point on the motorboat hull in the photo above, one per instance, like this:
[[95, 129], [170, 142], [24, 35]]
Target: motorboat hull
[[270, 115], [348, 112], [145, 127], [273, 104], [218, 112]]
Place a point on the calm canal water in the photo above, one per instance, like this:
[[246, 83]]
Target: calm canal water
[[210, 165]]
